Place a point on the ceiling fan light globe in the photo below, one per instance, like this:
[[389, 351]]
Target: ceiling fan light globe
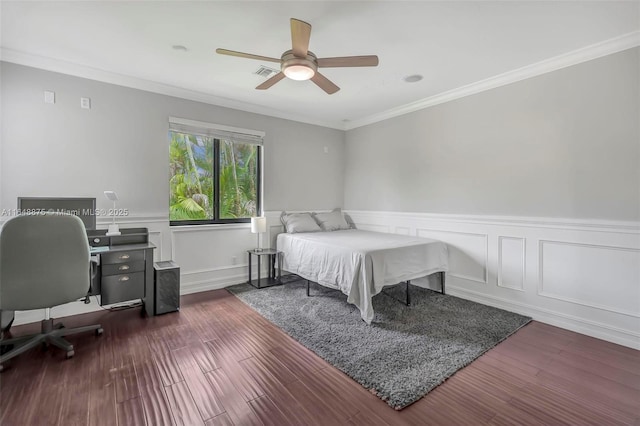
[[299, 72]]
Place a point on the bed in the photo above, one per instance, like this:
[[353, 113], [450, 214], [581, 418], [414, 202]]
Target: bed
[[360, 263]]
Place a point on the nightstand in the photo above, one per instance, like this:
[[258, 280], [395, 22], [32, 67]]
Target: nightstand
[[272, 279]]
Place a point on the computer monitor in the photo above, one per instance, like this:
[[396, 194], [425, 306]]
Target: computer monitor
[[84, 208]]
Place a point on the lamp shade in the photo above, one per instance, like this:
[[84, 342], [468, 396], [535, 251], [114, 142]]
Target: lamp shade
[[258, 225], [111, 195]]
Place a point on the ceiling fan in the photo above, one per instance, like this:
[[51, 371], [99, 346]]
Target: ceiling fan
[[301, 64]]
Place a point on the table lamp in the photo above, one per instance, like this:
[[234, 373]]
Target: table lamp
[[113, 228], [258, 226]]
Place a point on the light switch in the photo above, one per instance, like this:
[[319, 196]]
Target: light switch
[[49, 97], [85, 103], [326, 149]]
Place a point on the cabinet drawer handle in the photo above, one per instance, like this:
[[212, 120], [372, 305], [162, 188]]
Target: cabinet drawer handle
[[124, 256], [125, 278], [123, 267]]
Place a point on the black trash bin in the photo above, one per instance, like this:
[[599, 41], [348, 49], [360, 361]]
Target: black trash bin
[[167, 287]]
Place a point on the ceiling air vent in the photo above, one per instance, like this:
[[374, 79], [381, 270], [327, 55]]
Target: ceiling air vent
[[266, 72]]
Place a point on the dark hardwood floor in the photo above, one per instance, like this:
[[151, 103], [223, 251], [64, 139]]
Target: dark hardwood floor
[[217, 362]]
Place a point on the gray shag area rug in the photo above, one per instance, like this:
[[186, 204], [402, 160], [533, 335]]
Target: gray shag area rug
[[406, 351]]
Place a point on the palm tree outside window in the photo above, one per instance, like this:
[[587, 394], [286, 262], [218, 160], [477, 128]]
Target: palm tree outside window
[[212, 179]]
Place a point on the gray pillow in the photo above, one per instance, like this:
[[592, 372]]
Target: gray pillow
[[299, 222], [332, 221]]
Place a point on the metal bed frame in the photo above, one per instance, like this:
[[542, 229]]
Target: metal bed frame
[[408, 298]]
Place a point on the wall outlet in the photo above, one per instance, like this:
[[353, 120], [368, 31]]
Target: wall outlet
[[49, 97], [234, 260], [85, 103]]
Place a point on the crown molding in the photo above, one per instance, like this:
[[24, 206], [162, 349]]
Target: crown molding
[[91, 73], [594, 51], [588, 53]]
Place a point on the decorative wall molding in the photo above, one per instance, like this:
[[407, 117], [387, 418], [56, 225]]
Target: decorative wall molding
[[518, 270], [373, 227], [104, 221], [211, 284], [242, 267], [134, 218], [402, 230], [158, 244], [480, 240], [582, 325], [604, 286], [272, 231], [617, 226], [501, 280], [454, 254], [575, 57]]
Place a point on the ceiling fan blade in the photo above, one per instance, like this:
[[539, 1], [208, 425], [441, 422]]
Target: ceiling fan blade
[[270, 82], [324, 83], [246, 55], [300, 34], [349, 61]]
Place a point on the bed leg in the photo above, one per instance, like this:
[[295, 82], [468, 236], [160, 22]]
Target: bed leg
[[408, 295], [307, 288], [442, 282]]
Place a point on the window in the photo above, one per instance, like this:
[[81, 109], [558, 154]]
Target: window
[[215, 173]]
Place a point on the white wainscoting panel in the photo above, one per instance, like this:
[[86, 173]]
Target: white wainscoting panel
[[374, 227], [207, 254], [511, 262], [591, 275], [467, 253], [402, 230], [577, 274]]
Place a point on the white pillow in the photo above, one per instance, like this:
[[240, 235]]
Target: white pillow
[[332, 221], [299, 222]]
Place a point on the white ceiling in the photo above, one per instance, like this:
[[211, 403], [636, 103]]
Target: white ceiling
[[452, 44]]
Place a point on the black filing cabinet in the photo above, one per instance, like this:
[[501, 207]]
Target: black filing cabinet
[[167, 287], [122, 276]]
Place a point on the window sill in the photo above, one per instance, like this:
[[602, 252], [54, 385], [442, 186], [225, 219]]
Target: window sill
[[209, 227]]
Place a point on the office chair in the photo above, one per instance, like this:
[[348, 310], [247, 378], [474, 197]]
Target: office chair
[[44, 262]]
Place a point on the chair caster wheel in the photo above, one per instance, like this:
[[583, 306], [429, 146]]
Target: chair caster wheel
[[99, 332], [70, 353]]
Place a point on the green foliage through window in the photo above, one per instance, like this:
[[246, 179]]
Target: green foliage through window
[[212, 180]]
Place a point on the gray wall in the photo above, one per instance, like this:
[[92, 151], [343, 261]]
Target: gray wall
[[563, 144], [122, 144]]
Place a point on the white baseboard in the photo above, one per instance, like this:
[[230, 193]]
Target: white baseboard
[[214, 284], [76, 308], [569, 322]]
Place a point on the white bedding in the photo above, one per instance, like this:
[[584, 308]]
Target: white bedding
[[361, 263]]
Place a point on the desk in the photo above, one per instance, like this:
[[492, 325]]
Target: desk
[[125, 271]]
